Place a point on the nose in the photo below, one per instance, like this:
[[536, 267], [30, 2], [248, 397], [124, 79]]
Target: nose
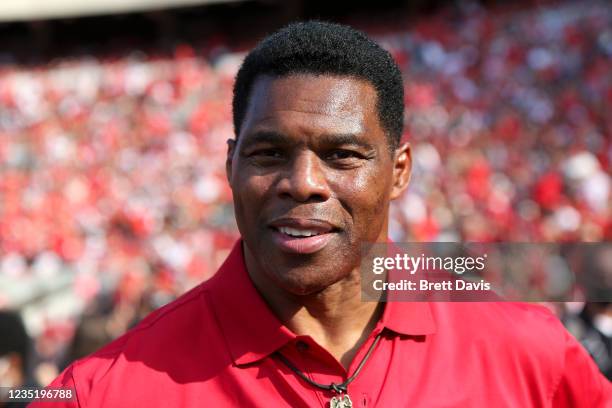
[[304, 180]]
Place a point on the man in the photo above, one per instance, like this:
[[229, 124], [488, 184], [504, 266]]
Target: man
[[318, 111]]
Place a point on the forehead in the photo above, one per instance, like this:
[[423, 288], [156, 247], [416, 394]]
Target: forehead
[[315, 103]]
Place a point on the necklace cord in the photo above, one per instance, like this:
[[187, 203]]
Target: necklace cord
[[338, 388]]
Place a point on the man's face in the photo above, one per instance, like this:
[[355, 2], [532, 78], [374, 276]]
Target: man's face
[[312, 176]]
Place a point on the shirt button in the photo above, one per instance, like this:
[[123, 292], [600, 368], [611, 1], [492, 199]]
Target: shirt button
[[301, 345]]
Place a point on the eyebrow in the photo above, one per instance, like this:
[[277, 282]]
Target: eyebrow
[[345, 139], [270, 137], [332, 139]]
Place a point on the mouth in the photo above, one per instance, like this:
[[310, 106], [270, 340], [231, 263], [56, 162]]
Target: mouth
[[299, 236]]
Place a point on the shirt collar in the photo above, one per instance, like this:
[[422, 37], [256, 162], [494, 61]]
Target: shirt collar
[[409, 318], [253, 332]]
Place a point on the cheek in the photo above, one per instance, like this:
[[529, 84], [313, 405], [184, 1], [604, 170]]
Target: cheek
[[248, 177], [248, 193], [251, 187], [366, 196]]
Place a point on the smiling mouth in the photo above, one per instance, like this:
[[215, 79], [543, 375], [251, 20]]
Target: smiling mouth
[[301, 236], [298, 232]]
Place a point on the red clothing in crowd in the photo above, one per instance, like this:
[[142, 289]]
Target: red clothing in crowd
[[214, 347]]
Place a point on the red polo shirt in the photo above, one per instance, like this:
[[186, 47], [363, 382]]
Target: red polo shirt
[[213, 347]]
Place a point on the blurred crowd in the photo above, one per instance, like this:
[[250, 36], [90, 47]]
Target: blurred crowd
[[508, 115], [113, 197]]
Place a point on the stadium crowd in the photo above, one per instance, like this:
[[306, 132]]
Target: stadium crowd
[[113, 191]]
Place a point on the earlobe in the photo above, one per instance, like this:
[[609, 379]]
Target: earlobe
[[402, 169], [231, 145]]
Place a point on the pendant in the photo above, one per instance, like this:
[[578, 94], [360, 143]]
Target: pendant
[[341, 402]]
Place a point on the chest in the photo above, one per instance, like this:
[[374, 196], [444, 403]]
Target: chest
[[399, 374]]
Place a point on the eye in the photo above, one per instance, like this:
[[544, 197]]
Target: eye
[[267, 153], [342, 154]]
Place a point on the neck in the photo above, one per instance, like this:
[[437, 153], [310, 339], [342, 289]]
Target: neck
[[334, 317]]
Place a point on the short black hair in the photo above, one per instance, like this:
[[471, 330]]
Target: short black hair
[[316, 47]]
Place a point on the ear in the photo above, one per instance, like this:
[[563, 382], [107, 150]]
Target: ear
[[402, 169], [231, 147]]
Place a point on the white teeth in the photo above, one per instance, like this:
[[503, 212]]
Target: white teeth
[[297, 232]]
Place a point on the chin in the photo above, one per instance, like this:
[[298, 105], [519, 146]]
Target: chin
[[308, 280]]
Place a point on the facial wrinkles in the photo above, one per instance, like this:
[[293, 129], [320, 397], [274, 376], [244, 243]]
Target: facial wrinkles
[[312, 124], [336, 111]]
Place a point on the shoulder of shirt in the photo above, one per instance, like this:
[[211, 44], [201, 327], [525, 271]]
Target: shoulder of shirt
[[506, 318], [151, 328], [527, 339], [520, 329], [507, 332]]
